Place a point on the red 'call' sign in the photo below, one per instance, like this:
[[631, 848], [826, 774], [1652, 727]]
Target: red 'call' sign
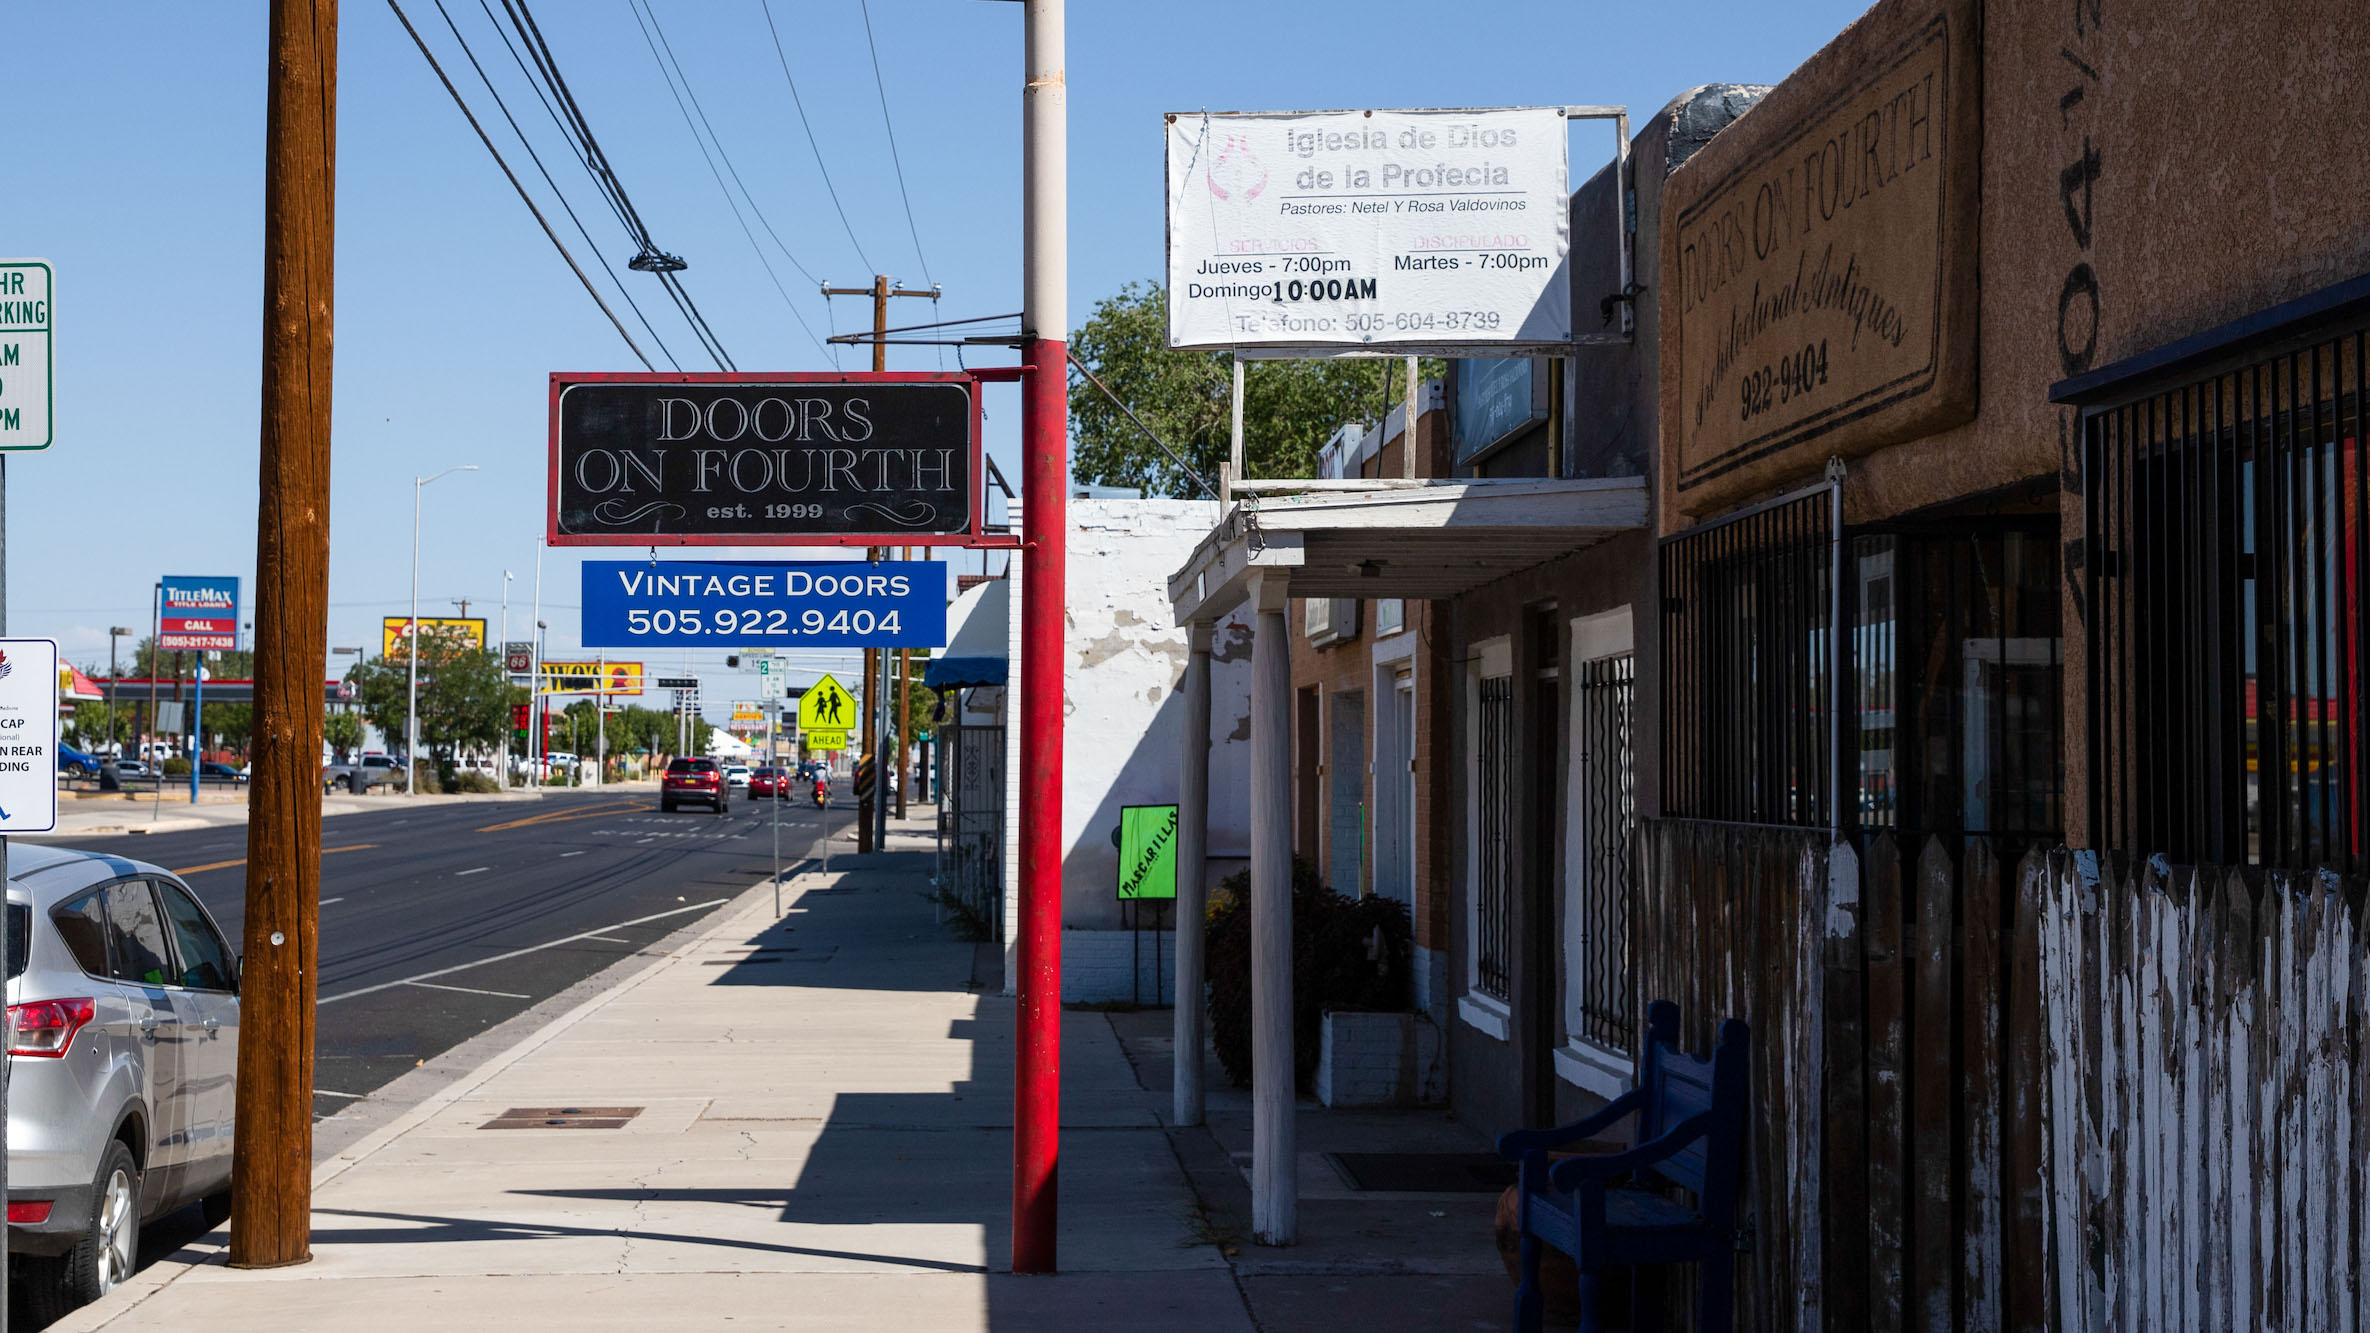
[[890, 458]]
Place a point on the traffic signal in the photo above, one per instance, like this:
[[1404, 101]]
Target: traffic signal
[[733, 661]]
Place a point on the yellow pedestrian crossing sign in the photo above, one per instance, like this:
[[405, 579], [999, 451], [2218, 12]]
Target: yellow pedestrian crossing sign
[[826, 706]]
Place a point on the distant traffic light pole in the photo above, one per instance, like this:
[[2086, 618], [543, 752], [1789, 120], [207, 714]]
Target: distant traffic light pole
[[271, 1181]]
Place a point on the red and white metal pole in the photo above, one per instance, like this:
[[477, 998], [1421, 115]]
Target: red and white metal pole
[[1045, 431]]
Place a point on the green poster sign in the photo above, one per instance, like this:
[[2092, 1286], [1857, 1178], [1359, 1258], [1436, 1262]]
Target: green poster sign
[[1147, 851]]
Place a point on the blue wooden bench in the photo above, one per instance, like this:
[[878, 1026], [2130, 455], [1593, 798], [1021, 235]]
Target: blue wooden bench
[[1690, 1133]]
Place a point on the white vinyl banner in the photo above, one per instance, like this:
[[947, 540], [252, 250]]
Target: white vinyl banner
[[1388, 231]]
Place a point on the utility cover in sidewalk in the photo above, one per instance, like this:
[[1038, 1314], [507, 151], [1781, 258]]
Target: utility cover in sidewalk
[[1424, 1172], [563, 1117]]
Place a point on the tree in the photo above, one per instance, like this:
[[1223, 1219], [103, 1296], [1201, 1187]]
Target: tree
[[342, 729], [90, 725], [464, 694], [1290, 407]]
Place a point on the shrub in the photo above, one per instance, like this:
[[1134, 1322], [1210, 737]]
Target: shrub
[[1347, 953], [473, 783], [176, 767], [429, 786]]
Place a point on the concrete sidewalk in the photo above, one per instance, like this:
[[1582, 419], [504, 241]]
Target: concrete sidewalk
[[808, 1125]]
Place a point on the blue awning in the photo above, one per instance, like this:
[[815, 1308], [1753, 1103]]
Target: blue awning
[[977, 641]]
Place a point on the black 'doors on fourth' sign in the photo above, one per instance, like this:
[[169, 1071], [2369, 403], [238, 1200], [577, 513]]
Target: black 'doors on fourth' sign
[[660, 459]]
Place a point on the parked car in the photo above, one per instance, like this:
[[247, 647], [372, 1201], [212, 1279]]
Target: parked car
[[75, 763], [737, 774], [371, 770], [131, 768], [221, 772], [123, 1040], [695, 780]]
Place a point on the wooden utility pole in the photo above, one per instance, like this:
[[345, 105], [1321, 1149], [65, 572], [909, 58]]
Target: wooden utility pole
[[271, 1188], [882, 766]]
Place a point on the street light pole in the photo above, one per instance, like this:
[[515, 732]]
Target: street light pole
[[411, 705], [504, 650], [114, 633]]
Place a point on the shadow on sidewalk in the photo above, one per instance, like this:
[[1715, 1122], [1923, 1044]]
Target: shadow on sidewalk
[[424, 1229]]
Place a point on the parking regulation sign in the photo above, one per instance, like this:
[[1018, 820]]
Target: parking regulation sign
[[28, 735], [26, 379]]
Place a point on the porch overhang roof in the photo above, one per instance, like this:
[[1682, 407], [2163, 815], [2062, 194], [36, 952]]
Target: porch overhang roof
[[1418, 539]]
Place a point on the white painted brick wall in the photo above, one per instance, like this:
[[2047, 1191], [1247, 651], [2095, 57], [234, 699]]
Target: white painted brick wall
[[1431, 982], [1367, 1059], [1118, 966]]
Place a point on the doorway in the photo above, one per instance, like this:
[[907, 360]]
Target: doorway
[[1394, 786], [1345, 840]]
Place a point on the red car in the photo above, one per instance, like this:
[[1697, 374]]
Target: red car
[[696, 780], [774, 782]]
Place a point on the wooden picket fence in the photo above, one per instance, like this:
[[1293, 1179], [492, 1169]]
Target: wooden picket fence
[[2075, 1093]]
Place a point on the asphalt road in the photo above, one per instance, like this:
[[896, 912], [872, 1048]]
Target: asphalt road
[[438, 922]]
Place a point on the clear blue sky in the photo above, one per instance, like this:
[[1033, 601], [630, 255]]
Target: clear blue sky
[[135, 166]]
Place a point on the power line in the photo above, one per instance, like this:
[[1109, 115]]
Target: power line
[[886, 123], [650, 258], [663, 63], [537, 159], [652, 10], [800, 103], [514, 184]]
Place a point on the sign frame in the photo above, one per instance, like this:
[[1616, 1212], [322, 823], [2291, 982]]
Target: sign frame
[[974, 536]]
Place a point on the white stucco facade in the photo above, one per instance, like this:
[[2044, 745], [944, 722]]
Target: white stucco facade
[[1123, 720]]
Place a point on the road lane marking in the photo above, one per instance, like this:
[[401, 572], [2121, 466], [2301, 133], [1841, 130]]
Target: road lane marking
[[521, 953], [561, 817], [225, 865], [349, 1096], [479, 871], [574, 853], [471, 990], [608, 939], [327, 901]]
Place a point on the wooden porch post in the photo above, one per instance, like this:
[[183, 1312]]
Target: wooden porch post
[[1193, 825], [1275, 1185]]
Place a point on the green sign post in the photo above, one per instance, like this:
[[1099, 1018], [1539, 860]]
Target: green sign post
[[25, 379], [1147, 852]]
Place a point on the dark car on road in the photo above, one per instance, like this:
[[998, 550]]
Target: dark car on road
[[770, 781], [698, 781], [220, 772]]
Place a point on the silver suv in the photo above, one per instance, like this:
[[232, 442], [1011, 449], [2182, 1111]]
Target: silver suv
[[123, 1055]]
